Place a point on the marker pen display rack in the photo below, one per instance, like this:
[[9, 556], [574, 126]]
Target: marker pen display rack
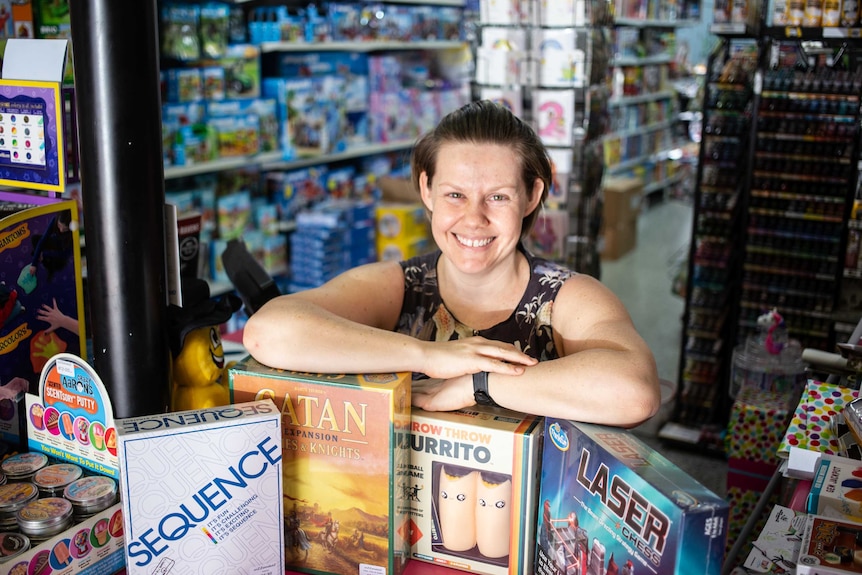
[[791, 165], [714, 257], [803, 182]]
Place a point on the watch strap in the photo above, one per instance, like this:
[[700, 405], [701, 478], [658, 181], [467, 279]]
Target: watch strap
[[480, 389]]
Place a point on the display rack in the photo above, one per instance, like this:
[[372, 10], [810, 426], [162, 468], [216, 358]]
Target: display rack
[[642, 141], [773, 204], [548, 63]]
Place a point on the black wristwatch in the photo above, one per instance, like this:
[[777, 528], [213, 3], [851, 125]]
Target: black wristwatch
[[480, 389]]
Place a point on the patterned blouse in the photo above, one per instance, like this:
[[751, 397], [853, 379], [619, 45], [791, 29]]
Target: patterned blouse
[[424, 316]]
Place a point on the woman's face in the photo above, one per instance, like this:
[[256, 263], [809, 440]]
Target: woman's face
[[477, 203]]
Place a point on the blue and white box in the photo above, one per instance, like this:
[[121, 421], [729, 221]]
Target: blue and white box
[[202, 491]]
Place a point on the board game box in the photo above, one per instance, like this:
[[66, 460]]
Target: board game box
[[471, 488], [341, 461], [830, 546], [610, 503], [201, 491]]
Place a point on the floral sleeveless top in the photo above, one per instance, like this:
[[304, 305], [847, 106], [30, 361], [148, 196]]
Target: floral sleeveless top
[[425, 317]]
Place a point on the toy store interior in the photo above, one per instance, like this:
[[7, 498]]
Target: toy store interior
[[161, 181]]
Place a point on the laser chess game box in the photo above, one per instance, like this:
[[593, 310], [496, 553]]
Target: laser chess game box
[[471, 488], [610, 503], [201, 491], [340, 452]]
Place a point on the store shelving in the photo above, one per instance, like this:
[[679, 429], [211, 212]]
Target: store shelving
[[643, 105]]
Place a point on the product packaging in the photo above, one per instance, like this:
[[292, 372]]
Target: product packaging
[[71, 420], [201, 491], [829, 547], [342, 495], [40, 259], [471, 488], [836, 490], [610, 503]]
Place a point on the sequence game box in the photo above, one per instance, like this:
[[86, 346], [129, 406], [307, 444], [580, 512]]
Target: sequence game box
[[341, 459], [201, 491], [471, 488], [610, 503]]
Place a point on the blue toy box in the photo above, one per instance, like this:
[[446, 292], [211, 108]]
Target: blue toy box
[[610, 503]]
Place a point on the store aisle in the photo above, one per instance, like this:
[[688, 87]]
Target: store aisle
[[643, 280]]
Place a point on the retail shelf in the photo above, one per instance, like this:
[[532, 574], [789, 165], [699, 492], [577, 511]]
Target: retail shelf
[[276, 161], [654, 23], [645, 61], [640, 98], [662, 184], [640, 129], [360, 46]]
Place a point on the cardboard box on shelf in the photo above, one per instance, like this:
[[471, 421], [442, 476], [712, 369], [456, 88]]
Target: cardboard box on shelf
[[201, 489], [471, 488], [617, 241], [622, 200], [606, 498], [341, 460]]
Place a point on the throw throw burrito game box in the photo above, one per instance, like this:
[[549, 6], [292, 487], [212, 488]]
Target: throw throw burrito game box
[[471, 488], [341, 460], [201, 491], [610, 503]]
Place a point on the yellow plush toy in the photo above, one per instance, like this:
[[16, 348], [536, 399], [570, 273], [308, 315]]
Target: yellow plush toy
[[198, 370]]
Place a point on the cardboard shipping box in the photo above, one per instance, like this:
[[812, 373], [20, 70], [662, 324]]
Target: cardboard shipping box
[[610, 503], [341, 465], [615, 242], [471, 488], [201, 491], [622, 200]]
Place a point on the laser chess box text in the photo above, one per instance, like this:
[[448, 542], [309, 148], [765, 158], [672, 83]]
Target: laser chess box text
[[471, 488], [201, 491], [610, 503], [340, 459]]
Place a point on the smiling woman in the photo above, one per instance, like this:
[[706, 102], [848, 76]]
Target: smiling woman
[[479, 320]]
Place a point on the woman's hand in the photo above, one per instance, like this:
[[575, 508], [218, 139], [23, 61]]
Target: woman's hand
[[443, 394], [451, 359]]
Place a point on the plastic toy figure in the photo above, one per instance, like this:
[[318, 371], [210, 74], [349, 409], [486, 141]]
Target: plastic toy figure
[[198, 370]]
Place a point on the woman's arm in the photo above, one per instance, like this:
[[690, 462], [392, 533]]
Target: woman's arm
[[606, 374], [345, 326]]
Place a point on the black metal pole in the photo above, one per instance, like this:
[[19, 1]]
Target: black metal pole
[[115, 53]]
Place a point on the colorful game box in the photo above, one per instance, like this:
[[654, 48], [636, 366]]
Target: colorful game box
[[41, 296], [471, 488], [344, 459], [830, 547], [610, 503], [201, 490], [837, 488]]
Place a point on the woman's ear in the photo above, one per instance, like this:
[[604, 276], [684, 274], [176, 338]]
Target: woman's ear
[[425, 191], [535, 199]]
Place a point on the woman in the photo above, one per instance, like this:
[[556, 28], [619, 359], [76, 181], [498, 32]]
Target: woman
[[482, 319]]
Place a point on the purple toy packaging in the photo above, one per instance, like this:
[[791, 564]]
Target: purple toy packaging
[[41, 297], [609, 503]]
